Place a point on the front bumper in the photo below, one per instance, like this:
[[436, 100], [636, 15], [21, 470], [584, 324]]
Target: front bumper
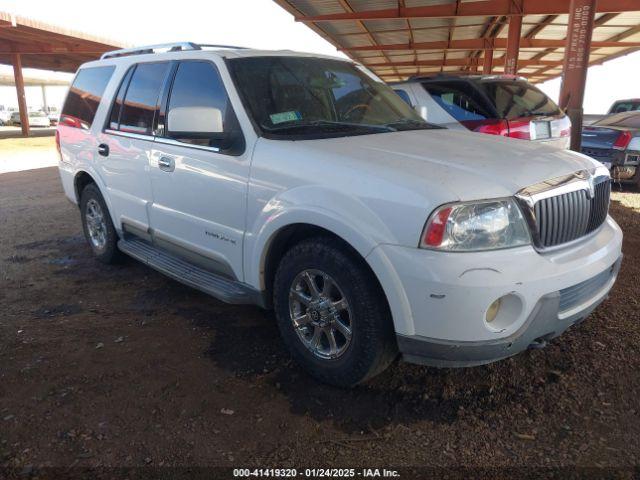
[[446, 296], [546, 321]]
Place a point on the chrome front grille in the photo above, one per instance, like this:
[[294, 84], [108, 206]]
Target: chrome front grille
[[567, 217], [565, 209]]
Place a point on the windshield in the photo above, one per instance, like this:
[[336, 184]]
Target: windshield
[[518, 98], [319, 98], [625, 106]]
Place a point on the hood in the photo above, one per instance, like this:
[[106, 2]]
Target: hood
[[470, 166]]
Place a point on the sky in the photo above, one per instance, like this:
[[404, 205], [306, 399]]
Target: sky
[[250, 23]]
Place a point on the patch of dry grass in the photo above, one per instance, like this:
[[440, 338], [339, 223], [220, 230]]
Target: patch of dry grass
[[16, 144], [628, 198]]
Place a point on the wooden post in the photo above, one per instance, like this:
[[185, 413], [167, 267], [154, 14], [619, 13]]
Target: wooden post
[[513, 45], [22, 101], [487, 64], [576, 63]]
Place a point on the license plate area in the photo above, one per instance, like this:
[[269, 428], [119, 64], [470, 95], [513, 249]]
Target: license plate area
[[540, 130]]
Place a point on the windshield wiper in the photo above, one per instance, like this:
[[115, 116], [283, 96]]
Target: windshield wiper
[[539, 114], [329, 124], [412, 123]]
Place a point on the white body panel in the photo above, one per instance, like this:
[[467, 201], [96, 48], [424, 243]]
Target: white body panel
[[374, 191]]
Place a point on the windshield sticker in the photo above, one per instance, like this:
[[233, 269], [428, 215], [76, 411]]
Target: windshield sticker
[[282, 117]]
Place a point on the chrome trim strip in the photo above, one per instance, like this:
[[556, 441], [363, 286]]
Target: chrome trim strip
[[162, 140], [137, 136], [169, 141]]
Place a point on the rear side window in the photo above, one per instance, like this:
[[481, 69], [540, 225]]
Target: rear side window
[[84, 96], [114, 118], [460, 100], [517, 98], [141, 98]]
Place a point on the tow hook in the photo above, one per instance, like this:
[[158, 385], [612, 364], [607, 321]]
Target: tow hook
[[538, 343]]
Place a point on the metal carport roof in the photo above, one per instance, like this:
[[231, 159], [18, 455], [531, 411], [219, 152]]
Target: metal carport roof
[[33, 44], [402, 38], [46, 46]]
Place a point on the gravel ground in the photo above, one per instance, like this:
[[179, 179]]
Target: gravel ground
[[121, 366]]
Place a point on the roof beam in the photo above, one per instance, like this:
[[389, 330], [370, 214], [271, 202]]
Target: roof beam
[[484, 8], [457, 73], [446, 27], [51, 51], [481, 43], [461, 62]]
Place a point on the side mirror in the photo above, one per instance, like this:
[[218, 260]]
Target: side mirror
[[195, 122], [422, 111]]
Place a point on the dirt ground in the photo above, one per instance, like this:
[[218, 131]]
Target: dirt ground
[[121, 366]]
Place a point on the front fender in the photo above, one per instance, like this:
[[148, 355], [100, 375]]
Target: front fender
[[356, 224]]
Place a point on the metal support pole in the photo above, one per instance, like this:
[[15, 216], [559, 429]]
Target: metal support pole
[[45, 104], [487, 64], [22, 101], [513, 45], [576, 63]]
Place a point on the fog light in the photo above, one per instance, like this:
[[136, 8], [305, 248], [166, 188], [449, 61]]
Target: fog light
[[492, 311]]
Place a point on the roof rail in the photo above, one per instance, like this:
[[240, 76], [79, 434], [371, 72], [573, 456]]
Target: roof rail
[[212, 45], [162, 47]]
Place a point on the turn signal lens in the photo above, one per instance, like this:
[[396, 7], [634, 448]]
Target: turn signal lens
[[436, 228]]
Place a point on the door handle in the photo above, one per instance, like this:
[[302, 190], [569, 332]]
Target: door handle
[[103, 149], [167, 164]]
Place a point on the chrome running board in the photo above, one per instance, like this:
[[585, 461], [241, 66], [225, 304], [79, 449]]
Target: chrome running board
[[227, 290]]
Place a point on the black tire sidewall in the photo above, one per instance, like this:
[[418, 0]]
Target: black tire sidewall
[[110, 253], [371, 322]]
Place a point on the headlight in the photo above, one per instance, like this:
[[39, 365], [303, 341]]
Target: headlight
[[471, 226]]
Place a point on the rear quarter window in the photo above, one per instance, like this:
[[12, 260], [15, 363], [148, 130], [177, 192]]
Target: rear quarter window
[[517, 98], [84, 96], [460, 100]]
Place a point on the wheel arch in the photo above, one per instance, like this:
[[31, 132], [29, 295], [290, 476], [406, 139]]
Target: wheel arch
[[80, 180], [84, 177], [285, 238], [383, 272]]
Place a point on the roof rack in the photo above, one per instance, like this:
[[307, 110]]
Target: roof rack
[[161, 47]]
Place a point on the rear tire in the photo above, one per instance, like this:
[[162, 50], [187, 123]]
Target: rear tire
[[97, 225], [348, 305]]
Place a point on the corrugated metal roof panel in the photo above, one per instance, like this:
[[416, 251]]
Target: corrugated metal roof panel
[[393, 31]]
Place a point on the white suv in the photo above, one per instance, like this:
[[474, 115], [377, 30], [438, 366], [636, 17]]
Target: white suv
[[302, 183]]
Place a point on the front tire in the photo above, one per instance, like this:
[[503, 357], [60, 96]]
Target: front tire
[[332, 313], [97, 225]]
